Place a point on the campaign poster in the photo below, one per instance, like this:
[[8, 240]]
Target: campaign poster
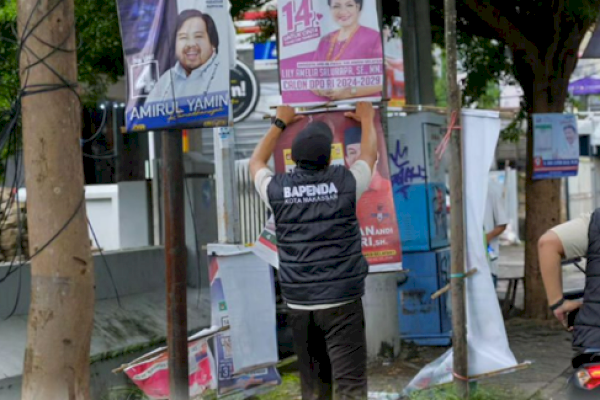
[[151, 374], [330, 51], [375, 209], [177, 62], [233, 384], [394, 62], [555, 146]]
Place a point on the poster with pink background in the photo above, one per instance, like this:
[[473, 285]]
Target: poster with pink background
[[330, 51]]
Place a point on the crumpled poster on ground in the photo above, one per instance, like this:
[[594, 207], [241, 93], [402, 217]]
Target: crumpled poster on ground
[[151, 372]]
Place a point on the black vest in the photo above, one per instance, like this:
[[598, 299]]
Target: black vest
[[318, 236], [586, 333]]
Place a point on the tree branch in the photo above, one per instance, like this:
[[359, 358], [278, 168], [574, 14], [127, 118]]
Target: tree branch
[[558, 7], [505, 29]]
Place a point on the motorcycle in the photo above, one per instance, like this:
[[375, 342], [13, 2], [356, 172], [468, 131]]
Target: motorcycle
[[584, 382]]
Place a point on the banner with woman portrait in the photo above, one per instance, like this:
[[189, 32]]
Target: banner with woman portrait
[[330, 51], [375, 209], [177, 56]]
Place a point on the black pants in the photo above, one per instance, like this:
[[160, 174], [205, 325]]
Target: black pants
[[331, 349]]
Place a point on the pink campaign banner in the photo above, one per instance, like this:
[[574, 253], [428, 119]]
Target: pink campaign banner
[[151, 372], [329, 51]]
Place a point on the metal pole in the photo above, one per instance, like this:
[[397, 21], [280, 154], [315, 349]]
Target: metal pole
[[227, 194], [176, 260], [418, 62], [459, 328], [567, 199]]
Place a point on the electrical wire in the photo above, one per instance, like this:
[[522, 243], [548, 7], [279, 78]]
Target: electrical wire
[[10, 136], [98, 131], [110, 275]]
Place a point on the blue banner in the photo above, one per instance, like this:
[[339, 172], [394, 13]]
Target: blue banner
[[177, 62], [555, 146], [265, 55]]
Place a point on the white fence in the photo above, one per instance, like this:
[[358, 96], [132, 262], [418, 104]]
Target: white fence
[[253, 212]]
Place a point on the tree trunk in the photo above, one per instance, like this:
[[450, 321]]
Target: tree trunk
[[57, 357], [542, 204], [542, 208]]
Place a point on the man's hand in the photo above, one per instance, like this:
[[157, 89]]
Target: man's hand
[[287, 114], [264, 149], [364, 112], [561, 312]]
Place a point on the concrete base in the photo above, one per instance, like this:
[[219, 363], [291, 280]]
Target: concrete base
[[381, 316]]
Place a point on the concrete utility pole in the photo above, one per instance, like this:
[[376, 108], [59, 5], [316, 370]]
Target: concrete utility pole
[[417, 45], [457, 282], [57, 357]]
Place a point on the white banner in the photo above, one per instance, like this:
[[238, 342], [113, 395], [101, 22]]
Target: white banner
[[243, 298], [488, 346]]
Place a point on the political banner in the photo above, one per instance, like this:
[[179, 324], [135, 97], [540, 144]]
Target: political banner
[[394, 63], [375, 209], [177, 61], [555, 146], [330, 51], [151, 372], [243, 298]]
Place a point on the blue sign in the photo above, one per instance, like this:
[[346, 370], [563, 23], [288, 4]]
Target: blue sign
[[555, 146], [265, 55]]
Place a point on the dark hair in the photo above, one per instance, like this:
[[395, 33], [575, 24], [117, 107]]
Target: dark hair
[[211, 28], [359, 3], [569, 127]]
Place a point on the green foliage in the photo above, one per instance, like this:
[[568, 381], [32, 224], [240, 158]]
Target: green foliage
[[268, 26], [99, 52], [8, 10], [486, 64], [441, 83], [487, 97], [515, 130], [100, 55]]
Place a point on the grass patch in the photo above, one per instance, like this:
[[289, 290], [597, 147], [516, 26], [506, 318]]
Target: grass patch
[[288, 390], [124, 393], [479, 393]]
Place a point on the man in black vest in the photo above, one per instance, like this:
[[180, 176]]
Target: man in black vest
[[579, 237], [321, 266]]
